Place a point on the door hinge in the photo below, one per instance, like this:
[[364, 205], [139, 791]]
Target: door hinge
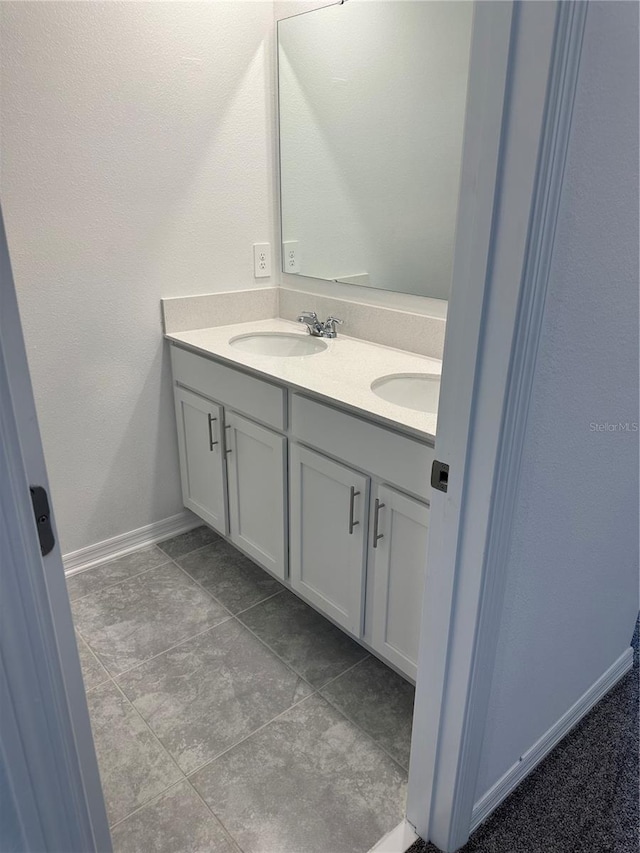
[[40, 502], [440, 475]]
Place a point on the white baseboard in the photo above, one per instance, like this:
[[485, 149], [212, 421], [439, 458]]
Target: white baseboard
[[398, 840], [118, 546], [533, 756]]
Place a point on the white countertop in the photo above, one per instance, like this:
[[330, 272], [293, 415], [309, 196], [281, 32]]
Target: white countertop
[[342, 373]]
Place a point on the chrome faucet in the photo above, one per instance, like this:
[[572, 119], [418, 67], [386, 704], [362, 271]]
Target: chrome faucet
[[318, 329]]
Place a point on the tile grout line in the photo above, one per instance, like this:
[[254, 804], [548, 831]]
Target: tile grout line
[[262, 601], [249, 736], [246, 627], [116, 583], [404, 769], [95, 657], [160, 743], [236, 616], [217, 600], [348, 669], [204, 631], [193, 551], [168, 559], [147, 802], [350, 719], [191, 786], [180, 642], [214, 815], [314, 691], [324, 684], [150, 546], [112, 679], [187, 777], [275, 653], [211, 628], [172, 648]]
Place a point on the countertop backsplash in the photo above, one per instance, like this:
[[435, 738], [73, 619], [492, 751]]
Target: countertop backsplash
[[416, 333]]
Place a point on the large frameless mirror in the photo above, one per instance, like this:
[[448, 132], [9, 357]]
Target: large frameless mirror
[[371, 109]]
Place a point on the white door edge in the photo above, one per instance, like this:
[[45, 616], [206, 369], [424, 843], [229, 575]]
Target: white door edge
[[49, 764], [474, 517], [489, 62]]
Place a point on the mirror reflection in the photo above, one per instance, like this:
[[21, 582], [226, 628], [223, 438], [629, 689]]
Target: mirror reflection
[[372, 101]]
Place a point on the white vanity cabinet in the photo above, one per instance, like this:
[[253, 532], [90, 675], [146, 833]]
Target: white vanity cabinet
[[328, 535], [332, 503], [257, 472], [233, 470], [353, 540], [381, 561], [202, 464]]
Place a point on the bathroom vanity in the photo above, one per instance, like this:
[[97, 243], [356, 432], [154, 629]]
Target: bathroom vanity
[[287, 450]]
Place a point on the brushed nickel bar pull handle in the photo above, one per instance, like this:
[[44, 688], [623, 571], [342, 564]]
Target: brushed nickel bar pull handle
[[376, 522], [212, 443], [353, 494], [229, 449]]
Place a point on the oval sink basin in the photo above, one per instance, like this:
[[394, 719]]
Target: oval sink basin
[[417, 391], [278, 344]]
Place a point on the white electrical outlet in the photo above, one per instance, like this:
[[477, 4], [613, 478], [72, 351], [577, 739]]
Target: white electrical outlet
[[291, 256], [261, 260]]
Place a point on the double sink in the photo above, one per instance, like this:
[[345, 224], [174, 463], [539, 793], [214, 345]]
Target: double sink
[[416, 391]]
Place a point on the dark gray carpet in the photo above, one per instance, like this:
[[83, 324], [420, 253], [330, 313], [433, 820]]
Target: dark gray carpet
[[583, 798]]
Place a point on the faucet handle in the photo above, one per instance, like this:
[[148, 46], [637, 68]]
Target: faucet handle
[[330, 326], [307, 315]]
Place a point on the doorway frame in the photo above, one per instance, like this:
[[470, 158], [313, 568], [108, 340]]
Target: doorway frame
[[50, 775], [523, 76], [505, 235]]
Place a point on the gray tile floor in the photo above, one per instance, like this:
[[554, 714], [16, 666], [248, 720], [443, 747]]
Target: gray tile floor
[[228, 715]]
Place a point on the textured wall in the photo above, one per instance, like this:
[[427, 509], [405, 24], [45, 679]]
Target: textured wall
[[572, 595], [137, 163]]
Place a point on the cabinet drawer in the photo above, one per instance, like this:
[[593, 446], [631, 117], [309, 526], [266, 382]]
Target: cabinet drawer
[[392, 457], [260, 400]]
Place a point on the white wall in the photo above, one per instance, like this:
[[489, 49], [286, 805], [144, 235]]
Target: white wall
[[572, 594], [372, 101], [137, 163]]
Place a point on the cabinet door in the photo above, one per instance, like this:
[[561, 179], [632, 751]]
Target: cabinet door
[[202, 466], [328, 535], [256, 467], [399, 555]]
